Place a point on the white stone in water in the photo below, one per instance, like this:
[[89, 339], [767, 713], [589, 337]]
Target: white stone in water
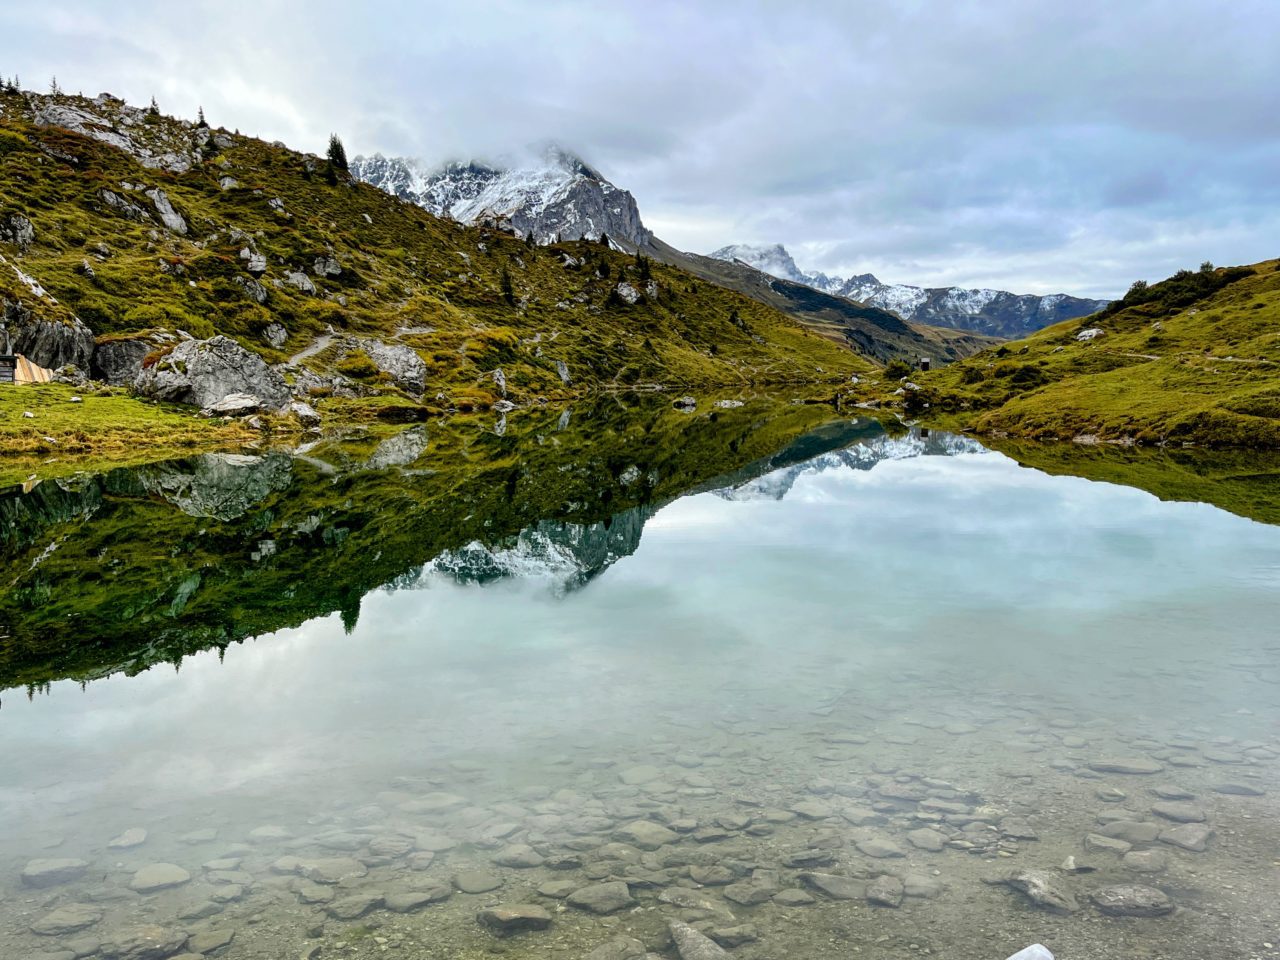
[[1036, 951]]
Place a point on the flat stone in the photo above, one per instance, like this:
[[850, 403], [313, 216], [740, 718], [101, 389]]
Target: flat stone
[[1238, 790], [1131, 830], [1132, 900], [1145, 861], [519, 856], [133, 837], [879, 847], [885, 891], [557, 889], [1166, 792], [1188, 836], [49, 873], [332, 869], [210, 940], [308, 891], [793, 897], [508, 919], [734, 936], [207, 835], [476, 881], [812, 810], [712, 876], [922, 885], [269, 834], [1179, 812], [646, 834], [835, 887], [634, 776], [201, 910], [1137, 766], [434, 841], [353, 907], [406, 901], [1096, 843], [602, 897], [748, 894], [692, 945], [1018, 829], [144, 942], [927, 839], [158, 876], [64, 920]]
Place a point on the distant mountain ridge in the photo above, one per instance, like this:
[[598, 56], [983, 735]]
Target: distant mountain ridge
[[555, 196], [993, 312]]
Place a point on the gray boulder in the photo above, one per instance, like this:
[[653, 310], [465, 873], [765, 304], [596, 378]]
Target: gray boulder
[[693, 945], [223, 486], [17, 229], [204, 372], [296, 278], [402, 364], [168, 216], [252, 289]]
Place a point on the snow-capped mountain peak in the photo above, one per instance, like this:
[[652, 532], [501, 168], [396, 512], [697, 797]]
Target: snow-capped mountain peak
[[995, 312], [552, 194]]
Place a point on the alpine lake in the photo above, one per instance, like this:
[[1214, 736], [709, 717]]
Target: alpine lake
[[816, 685]]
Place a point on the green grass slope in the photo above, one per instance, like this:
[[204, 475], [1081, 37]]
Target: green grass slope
[[469, 300], [1194, 359]]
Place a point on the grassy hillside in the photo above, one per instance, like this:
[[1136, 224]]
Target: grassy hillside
[[1193, 359], [469, 301]]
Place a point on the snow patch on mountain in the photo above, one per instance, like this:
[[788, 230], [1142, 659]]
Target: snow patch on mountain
[[553, 195], [995, 312]]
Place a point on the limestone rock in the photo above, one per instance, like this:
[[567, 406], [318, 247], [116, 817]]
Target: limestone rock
[[1128, 765], [146, 942], [64, 920], [354, 906], [1132, 900], [646, 834], [402, 364], [602, 897], [170, 217], [49, 873], [509, 919], [1188, 836], [204, 372], [692, 945], [835, 887], [158, 876], [133, 837], [885, 891]]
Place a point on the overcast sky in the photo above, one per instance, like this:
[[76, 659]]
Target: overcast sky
[[1034, 145]]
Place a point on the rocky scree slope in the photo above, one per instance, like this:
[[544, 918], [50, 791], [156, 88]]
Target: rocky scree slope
[[996, 313], [126, 234], [1192, 359]]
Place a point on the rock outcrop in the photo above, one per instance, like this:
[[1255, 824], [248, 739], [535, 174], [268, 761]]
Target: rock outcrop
[[204, 372], [48, 342]]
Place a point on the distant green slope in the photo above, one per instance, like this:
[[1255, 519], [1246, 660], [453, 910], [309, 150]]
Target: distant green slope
[[469, 301], [1193, 359]]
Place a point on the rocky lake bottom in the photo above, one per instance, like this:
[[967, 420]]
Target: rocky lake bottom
[[884, 706]]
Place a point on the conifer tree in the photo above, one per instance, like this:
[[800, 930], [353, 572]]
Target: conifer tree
[[200, 117], [337, 153]]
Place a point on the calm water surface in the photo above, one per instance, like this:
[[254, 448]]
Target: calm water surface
[[909, 664]]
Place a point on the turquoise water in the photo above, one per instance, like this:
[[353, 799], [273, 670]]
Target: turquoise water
[[899, 634]]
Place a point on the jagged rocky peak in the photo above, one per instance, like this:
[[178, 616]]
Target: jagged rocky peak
[[995, 312], [552, 194]]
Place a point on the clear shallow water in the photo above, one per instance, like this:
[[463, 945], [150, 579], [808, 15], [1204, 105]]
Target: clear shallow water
[[828, 657]]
